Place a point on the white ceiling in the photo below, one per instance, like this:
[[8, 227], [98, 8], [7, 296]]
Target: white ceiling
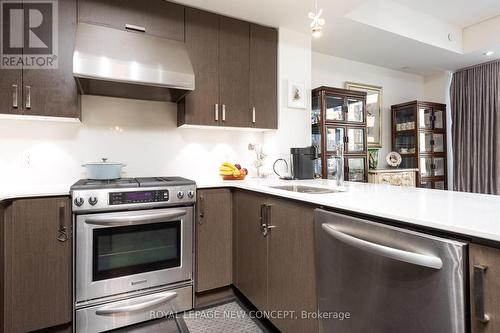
[[461, 13], [346, 38]]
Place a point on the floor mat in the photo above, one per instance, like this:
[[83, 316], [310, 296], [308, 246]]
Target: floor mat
[[229, 317]]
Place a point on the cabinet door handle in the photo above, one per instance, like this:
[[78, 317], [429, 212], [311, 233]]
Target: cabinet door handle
[[202, 210], [263, 225], [479, 311], [15, 103], [216, 112], [268, 217], [135, 27], [253, 115], [62, 232], [223, 112], [265, 214], [28, 97]]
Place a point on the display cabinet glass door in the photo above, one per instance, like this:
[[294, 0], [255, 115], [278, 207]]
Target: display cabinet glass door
[[432, 166], [425, 118], [333, 167], [334, 108], [431, 142], [355, 140], [315, 110], [354, 110], [429, 118], [435, 184], [404, 119], [408, 162], [334, 136], [356, 169], [439, 116], [406, 143]]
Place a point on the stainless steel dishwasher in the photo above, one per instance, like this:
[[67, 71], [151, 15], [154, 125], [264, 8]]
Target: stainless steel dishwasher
[[382, 279]]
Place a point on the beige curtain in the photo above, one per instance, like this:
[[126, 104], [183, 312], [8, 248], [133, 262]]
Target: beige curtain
[[475, 114]]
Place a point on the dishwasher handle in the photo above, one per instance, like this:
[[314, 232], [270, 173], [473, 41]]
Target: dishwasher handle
[[385, 251]]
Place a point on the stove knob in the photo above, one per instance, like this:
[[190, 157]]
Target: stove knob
[[180, 195], [78, 201], [93, 201], [191, 194]]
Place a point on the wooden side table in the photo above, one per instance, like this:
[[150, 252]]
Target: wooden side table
[[396, 177]]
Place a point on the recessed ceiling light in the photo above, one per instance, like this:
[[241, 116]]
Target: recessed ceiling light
[[489, 53]]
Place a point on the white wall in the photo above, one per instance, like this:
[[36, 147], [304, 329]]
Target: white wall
[[142, 134], [294, 125], [398, 87], [437, 89]]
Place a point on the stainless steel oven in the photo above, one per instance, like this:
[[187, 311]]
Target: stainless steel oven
[[133, 250], [122, 252]]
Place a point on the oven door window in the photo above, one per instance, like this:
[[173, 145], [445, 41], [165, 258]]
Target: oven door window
[[120, 251]]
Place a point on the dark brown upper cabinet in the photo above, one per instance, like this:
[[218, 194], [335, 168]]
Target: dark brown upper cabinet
[[154, 17], [202, 35], [45, 92], [234, 62], [263, 76], [235, 65]]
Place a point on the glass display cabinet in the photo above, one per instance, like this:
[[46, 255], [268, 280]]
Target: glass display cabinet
[[419, 136], [339, 119]]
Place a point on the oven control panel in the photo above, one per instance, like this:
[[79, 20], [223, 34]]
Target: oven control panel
[[123, 198], [133, 198]]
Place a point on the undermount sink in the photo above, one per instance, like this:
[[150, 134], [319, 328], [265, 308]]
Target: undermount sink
[[306, 189]]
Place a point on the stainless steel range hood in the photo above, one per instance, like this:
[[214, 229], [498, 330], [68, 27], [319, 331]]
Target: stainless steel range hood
[[117, 63]]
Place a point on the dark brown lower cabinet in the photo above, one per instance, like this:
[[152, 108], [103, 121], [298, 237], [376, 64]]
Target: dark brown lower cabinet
[[276, 272], [251, 249], [213, 239], [484, 267], [291, 271], [36, 265]]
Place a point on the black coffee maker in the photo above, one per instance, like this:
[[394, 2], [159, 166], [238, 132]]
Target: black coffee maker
[[302, 160]]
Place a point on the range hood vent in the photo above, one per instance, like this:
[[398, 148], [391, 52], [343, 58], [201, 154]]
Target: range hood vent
[[111, 62]]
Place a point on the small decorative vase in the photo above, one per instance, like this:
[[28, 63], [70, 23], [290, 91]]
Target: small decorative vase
[[373, 158]]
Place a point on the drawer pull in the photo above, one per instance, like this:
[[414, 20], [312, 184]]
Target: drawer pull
[[216, 112]]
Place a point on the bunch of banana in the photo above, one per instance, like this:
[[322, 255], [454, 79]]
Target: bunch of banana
[[228, 169]]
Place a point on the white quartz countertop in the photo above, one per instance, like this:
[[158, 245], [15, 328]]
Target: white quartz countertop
[[474, 215], [15, 191]]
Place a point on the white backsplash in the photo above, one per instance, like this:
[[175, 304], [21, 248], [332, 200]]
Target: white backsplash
[[142, 134]]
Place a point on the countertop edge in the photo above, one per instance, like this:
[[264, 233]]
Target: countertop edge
[[316, 200]]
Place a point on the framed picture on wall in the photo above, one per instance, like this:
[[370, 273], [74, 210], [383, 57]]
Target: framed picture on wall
[[296, 95], [373, 112]]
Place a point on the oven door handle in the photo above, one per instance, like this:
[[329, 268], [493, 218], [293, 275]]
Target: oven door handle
[[135, 219], [144, 303]]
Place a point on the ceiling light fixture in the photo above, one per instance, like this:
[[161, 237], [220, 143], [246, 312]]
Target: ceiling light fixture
[[489, 53], [317, 22]]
